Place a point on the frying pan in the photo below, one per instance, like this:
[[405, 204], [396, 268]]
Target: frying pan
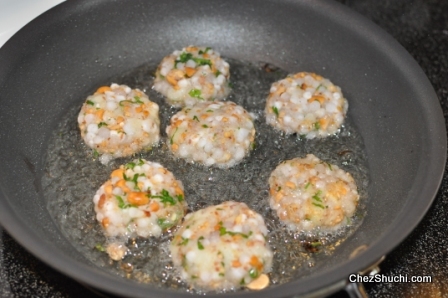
[[47, 67]]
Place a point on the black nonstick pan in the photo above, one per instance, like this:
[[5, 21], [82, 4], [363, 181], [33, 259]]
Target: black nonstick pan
[[50, 65]]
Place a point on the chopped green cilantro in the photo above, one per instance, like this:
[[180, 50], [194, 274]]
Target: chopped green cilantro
[[217, 73], [196, 93], [223, 231], [307, 185], [275, 110], [130, 165], [204, 125], [184, 57], [184, 241], [200, 246], [204, 51], [89, 102], [315, 243], [253, 145], [122, 204], [100, 247], [318, 205], [316, 125], [165, 198], [171, 139], [164, 223], [196, 118], [137, 99], [95, 153], [101, 124], [316, 196]]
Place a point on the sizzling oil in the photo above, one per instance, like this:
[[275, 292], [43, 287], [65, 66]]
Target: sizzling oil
[[73, 175]]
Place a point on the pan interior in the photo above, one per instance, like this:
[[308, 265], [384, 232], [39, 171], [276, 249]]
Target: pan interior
[[49, 66], [73, 174]]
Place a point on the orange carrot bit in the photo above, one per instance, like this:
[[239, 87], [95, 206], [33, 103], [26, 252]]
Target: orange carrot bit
[[190, 71], [99, 114], [105, 222], [101, 201], [319, 98], [117, 173], [236, 263], [154, 206], [254, 261], [108, 189], [103, 89], [138, 198]]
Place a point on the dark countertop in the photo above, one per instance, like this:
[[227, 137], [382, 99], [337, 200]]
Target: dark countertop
[[421, 26]]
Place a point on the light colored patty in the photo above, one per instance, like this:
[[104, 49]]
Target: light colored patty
[[221, 247], [191, 75], [141, 198], [306, 104], [119, 121], [308, 193], [211, 133]]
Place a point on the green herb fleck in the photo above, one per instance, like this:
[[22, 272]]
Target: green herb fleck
[[180, 198], [307, 185], [204, 51], [318, 205], [242, 282], [316, 196], [184, 241], [275, 110], [130, 165], [223, 231], [164, 223], [329, 166], [171, 139], [279, 188], [184, 57], [202, 61], [89, 102], [217, 73], [101, 124], [137, 99], [316, 125], [210, 111], [122, 204], [165, 198], [196, 118], [349, 221], [315, 243], [95, 153], [320, 85], [204, 125], [196, 93], [100, 247], [253, 145], [221, 274], [200, 246]]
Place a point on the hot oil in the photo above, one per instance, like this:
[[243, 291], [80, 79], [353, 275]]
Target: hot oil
[[73, 175]]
